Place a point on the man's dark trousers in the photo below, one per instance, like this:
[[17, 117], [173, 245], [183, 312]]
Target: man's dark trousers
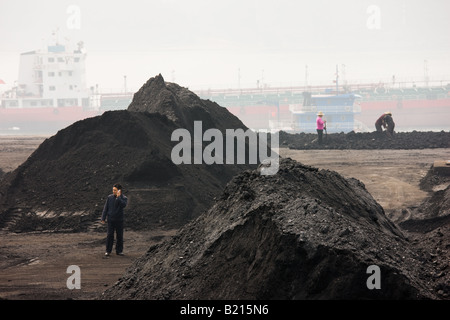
[[116, 226]]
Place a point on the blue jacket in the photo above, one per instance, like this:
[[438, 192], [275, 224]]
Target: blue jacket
[[113, 209]]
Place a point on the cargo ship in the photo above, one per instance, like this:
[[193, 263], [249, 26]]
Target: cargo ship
[[424, 108], [350, 108], [51, 93], [292, 109]]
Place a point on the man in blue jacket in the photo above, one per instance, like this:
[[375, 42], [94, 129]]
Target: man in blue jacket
[[113, 214]]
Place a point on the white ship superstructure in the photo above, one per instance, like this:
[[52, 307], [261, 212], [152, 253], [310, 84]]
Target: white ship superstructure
[[55, 77]]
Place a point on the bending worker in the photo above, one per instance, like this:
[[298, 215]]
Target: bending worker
[[385, 121], [390, 124], [380, 123]]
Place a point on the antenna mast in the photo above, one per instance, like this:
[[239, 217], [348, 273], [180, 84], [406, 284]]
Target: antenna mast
[[337, 79], [306, 78], [425, 72]]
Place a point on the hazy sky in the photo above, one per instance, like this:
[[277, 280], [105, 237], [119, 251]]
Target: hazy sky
[[208, 44]]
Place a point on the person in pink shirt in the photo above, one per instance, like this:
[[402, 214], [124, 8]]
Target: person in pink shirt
[[321, 124]]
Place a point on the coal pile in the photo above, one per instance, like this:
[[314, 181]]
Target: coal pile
[[429, 230], [181, 106], [437, 207], [368, 140], [303, 233], [433, 179], [434, 211], [63, 185]]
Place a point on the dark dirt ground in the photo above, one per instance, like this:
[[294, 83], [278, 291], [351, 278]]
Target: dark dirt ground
[[34, 264]]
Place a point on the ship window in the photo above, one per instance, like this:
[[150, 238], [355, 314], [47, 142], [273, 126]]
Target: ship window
[[76, 59], [52, 88], [51, 59], [60, 59], [51, 74], [11, 103]]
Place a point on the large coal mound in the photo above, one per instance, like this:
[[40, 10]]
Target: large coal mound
[[299, 234], [63, 185], [182, 106]]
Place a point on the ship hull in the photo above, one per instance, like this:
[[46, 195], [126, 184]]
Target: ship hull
[[46, 120], [408, 115]]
